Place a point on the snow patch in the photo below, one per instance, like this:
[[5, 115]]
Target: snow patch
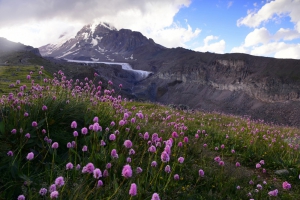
[[94, 42], [69, 52], [85, 36], [98, 38], [95, 60], [93, 27], [106, 25]]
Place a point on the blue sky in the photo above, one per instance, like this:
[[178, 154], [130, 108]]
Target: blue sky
[[220, 19], [265, 28]]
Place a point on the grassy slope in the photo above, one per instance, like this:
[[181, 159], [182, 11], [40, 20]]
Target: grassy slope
[[252, 141], [10, 74]]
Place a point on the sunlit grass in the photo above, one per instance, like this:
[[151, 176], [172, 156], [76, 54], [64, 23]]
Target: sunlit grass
[[9, 75]]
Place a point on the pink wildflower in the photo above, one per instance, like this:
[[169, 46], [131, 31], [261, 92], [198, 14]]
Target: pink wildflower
[[168, 169], [180, 159], [69, 166], [165, 157], [84, 131], [127, 171], [75, 133], [133, 189], [52, 188], [97, 173], [59, 181], [43, 191], [155, 196], [122, 122], [139, 170], [114, 153], [84, 148], [96, 120], [34, 124], [131, 152], [99, 184], [273, 193], [152, 149], [21, 197], [186, 139], [44, 108], [112, 137], [153, 164], [286, 185], [10, 153], [262, 162], [54, 195], [30, 156], [128, 144], [201, 173], [74, 124], [55, 145], [217, 159], [146, 136]]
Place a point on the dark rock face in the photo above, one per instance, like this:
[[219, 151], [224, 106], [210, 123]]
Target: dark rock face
[[265, 88]]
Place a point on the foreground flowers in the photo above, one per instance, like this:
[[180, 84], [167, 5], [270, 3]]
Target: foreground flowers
[[286, 185], [151, 150], [127, 171]]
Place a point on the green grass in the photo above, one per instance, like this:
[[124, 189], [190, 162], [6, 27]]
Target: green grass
[[10, 74], [252, 142]]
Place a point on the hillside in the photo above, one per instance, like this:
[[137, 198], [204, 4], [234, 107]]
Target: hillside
[[69, 139]]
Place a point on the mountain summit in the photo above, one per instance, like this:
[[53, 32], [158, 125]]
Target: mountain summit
[[102, 42]]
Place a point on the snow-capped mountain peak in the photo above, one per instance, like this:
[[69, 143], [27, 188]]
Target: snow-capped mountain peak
[[100, 41]]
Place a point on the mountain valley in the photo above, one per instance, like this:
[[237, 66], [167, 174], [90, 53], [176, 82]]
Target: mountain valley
[[261, 87]]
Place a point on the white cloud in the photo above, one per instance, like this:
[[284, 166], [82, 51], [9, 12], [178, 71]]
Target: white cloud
[[174, 36], [39, 33], [229, 4], [37, 20], [286, 34], [292, 51], [258, 36], [240, 49], [261, 42], [217, 47], [269, 10], [278, 50]]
